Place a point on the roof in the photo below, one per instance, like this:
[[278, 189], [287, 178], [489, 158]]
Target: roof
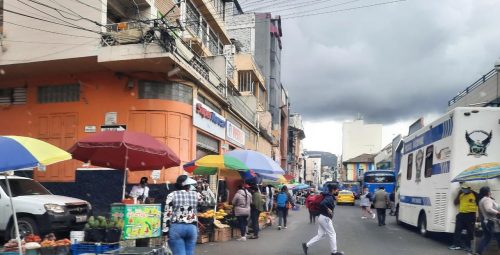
[[363, 158]]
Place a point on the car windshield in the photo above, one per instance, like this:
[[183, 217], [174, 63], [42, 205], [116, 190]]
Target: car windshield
[[345, 193], [24, 187]]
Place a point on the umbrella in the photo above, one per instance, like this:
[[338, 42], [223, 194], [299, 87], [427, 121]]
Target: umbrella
[[22, 152], [479, 172], [289, 177], [257, 161], [300, 187], [222, 165], [125, 150]]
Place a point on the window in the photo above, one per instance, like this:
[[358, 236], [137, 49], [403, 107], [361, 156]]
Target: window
[[209, 104], [165, 91], [409, 168], [13, 96], [379, 177], [1, 16], [429, 158], [59, 93], [24, 187]]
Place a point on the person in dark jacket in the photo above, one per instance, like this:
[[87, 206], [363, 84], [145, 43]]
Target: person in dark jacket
[[325, 226], [256, 208]]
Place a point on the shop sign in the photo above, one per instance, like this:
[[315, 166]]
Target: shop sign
[[113, 127], [235, 134], [90, 129], [208, 120], [111, 118]]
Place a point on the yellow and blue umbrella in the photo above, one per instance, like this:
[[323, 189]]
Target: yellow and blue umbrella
[[479, 172], [18, 152]]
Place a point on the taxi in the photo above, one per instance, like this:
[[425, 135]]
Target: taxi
[[345, 197]]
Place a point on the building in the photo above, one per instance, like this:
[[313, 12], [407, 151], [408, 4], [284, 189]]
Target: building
[[357, 166], [383, 160], [313, 170], [483, 92], [360, 138], [295, 136], [164, 68], [259, 35]]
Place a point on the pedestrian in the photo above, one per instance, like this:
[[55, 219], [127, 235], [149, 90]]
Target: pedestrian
[[466, 200], [325, 220], [489, 215], [256, 208], [284, 202], [180, 216], [365, 203], [269, 198], [140, 192], [381, 203], [392, 199], [312, 217], [241, 204]]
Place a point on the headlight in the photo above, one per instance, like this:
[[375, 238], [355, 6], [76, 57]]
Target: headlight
[[54, 208]]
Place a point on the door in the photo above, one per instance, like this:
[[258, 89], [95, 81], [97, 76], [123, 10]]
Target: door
[[59, 129], [172, 128]]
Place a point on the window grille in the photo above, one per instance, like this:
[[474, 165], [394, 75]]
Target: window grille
[[166, 91], [13, 96], [59, 93]]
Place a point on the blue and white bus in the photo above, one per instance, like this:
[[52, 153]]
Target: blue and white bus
[[376, 178]]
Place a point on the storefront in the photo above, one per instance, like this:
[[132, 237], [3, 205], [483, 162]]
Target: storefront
[[235, 136]]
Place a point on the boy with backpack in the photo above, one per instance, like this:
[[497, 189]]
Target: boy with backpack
[[324, 205], [283, 203]]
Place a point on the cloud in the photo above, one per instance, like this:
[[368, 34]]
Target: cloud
[[388, 63]]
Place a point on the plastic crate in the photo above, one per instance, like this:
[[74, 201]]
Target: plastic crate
[[92, 248]]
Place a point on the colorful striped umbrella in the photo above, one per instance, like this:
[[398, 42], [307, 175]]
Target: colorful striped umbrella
[[257, 161], [479, 172], [23, 152], [212, 164]]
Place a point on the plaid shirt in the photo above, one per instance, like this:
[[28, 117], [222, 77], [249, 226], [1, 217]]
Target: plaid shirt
[[181, 207]]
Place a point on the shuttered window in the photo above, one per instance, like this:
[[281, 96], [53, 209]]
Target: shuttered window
[[59, 93], [166, 91], [13, 96]]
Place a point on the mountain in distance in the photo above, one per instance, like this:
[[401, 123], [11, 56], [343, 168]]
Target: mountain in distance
[[327, 158]]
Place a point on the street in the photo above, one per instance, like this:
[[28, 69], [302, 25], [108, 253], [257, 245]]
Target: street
[[354, 237]]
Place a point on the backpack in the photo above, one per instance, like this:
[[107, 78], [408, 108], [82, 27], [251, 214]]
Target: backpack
[[281, 199], [315, 204]]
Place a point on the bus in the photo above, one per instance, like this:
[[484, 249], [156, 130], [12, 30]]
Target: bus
[[463, 139], [376, 178], [352, 186]]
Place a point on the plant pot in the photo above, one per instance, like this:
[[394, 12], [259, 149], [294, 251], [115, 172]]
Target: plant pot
[[95, 235], [113, 235]]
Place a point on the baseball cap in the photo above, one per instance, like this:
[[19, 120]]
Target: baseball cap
[[465, 186]]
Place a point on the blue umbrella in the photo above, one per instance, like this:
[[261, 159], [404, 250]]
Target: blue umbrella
[[479, 172], [258, 162]]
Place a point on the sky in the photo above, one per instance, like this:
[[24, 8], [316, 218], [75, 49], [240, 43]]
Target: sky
[[390, 63]]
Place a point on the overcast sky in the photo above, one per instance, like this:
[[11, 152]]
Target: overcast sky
[[391, 63]]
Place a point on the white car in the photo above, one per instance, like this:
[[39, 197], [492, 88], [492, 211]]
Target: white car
[[38, 210]]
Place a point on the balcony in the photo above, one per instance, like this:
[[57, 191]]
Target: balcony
[[246, 62], [237, 104], [151, 47]]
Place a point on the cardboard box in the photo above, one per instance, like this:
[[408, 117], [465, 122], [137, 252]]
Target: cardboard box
[[202, 239], [222, 234]]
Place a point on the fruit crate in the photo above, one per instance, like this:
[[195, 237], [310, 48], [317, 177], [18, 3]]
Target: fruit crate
[[93, 248]]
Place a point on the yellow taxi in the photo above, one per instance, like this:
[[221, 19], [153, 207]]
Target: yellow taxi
[[345, 197]]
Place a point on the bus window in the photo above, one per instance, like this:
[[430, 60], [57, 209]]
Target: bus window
[[429, 160], [409, 168]]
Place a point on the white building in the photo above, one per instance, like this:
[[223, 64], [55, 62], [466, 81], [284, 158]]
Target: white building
[[360, 138], [313, 170]]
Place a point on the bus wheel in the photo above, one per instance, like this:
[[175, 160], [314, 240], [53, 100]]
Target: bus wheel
[[422, 225]]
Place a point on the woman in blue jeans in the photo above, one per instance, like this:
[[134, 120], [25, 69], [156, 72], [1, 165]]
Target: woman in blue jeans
[[180, 217], [241, 205], [283, 201]]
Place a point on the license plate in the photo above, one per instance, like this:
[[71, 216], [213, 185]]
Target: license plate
[[81, 218]]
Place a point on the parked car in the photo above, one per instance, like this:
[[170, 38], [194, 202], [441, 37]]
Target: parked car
[[345, 197], [38, 210]]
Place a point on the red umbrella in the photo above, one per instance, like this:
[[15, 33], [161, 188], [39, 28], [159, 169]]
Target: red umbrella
[[289, 177], [124, 150]]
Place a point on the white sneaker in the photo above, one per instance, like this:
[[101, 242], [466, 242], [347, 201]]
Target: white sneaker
[[373, 216], [243, 238], [363, 218], [285, 227]]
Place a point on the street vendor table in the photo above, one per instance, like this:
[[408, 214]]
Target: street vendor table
[[140, 221]]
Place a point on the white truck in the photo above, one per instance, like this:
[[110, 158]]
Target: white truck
[[38, 210], [464, 138]]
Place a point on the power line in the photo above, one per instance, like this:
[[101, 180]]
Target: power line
[[49, 31], [324, 7], [46, 55], [60, 12], [41, 42]]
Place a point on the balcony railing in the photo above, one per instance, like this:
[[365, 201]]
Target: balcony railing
[[242, 108], [473, 86]]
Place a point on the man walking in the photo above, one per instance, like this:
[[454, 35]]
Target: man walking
[[325, 226], [256, 207], [381, 202], [467, 208]]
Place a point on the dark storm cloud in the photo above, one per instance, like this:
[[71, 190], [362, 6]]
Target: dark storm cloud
[[391, 62]]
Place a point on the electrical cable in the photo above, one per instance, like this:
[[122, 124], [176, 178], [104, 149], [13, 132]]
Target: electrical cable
[[49, 31]]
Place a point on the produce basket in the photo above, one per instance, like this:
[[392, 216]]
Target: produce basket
[[96, 248]]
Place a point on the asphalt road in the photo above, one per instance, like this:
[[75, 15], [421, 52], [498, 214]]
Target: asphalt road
[[354, 236]]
